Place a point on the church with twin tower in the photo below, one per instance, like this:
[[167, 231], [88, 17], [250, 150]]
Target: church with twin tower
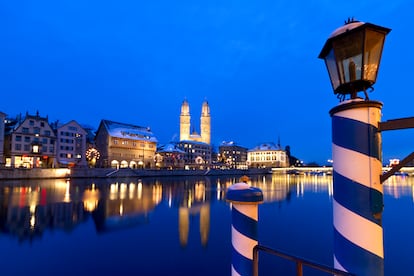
[[205, 124]]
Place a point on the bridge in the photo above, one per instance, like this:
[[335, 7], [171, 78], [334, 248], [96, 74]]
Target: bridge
[[328, 170]]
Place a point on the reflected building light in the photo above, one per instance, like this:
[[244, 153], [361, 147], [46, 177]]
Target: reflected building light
[[91, 199], [157, 193], [204, 223], [302, 188], [183, 225], [67, 192], [131, 190], [169, 197], [32, 216], [190, 199], [139, 190], [121, 209], [113, 191], [123, 191], [399, 185], [330, 189], [32, 221], [33, 200], [200, 192]]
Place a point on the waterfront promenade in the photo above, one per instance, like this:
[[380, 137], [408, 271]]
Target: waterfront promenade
[[37, 173]]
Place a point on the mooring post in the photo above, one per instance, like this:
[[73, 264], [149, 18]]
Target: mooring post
[[244, 217], [357, 188]]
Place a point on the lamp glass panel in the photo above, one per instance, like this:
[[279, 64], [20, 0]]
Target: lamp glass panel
[[373, 49], [348, 51], [332, 69]]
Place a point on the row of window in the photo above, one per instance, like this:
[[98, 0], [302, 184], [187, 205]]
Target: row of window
[[28, 139], [267, 158], [66, 148], [36, 131], [33, 148], [128, 155], [134, 144], [70, 155], [67, 141], [70, 134], [32, 123]]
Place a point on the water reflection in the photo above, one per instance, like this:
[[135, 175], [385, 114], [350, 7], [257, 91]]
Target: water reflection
[[29, 208]]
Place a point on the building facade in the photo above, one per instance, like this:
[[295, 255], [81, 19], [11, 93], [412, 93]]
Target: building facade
[[125, 146], [169, 156], [71, 145], [197, 155], [232, 155], [2, 126], [29, 143], [267, 155]]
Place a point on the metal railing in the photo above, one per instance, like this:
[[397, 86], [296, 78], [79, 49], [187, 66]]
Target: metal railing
[[300, 262]]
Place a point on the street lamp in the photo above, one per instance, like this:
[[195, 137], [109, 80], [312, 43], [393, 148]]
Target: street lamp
[[352, 56]]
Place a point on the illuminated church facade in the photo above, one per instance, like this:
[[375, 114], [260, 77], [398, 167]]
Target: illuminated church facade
[[205, 124], [197, 146]]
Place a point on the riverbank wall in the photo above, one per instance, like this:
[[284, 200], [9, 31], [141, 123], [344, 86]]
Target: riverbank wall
[[37, 173]]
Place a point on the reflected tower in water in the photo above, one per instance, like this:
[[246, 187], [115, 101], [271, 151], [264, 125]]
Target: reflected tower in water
[[194, 203]]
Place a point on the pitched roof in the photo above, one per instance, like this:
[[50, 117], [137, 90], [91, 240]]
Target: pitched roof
[[121, 130], [266, 147]]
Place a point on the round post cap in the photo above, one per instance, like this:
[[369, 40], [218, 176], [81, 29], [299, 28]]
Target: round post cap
[[243, 193]]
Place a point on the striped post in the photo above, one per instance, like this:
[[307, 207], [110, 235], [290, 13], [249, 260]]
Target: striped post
[[358, 195], [244, 217]]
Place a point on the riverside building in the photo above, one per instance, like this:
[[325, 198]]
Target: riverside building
[[71, 145], [29, 143], [125, 146], [196, 146], [267, 155], [232, 155]]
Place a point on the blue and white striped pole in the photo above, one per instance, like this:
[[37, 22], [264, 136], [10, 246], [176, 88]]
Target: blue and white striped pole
[[244, 216], [358, 194]]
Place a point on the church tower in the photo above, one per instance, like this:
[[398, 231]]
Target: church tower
[[205, 123], [185, 121]]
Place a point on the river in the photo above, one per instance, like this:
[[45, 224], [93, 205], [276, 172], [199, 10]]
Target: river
[[178, 225]]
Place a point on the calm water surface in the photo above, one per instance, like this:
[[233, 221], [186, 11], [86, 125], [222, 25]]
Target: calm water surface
[[178, 226]]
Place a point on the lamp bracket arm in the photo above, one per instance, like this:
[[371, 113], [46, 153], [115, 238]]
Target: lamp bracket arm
[[402, 123], [397, 167]]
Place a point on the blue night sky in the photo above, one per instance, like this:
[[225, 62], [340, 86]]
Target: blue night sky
[[254, 61]]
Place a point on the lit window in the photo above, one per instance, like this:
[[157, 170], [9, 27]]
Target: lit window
[[35, 148]]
